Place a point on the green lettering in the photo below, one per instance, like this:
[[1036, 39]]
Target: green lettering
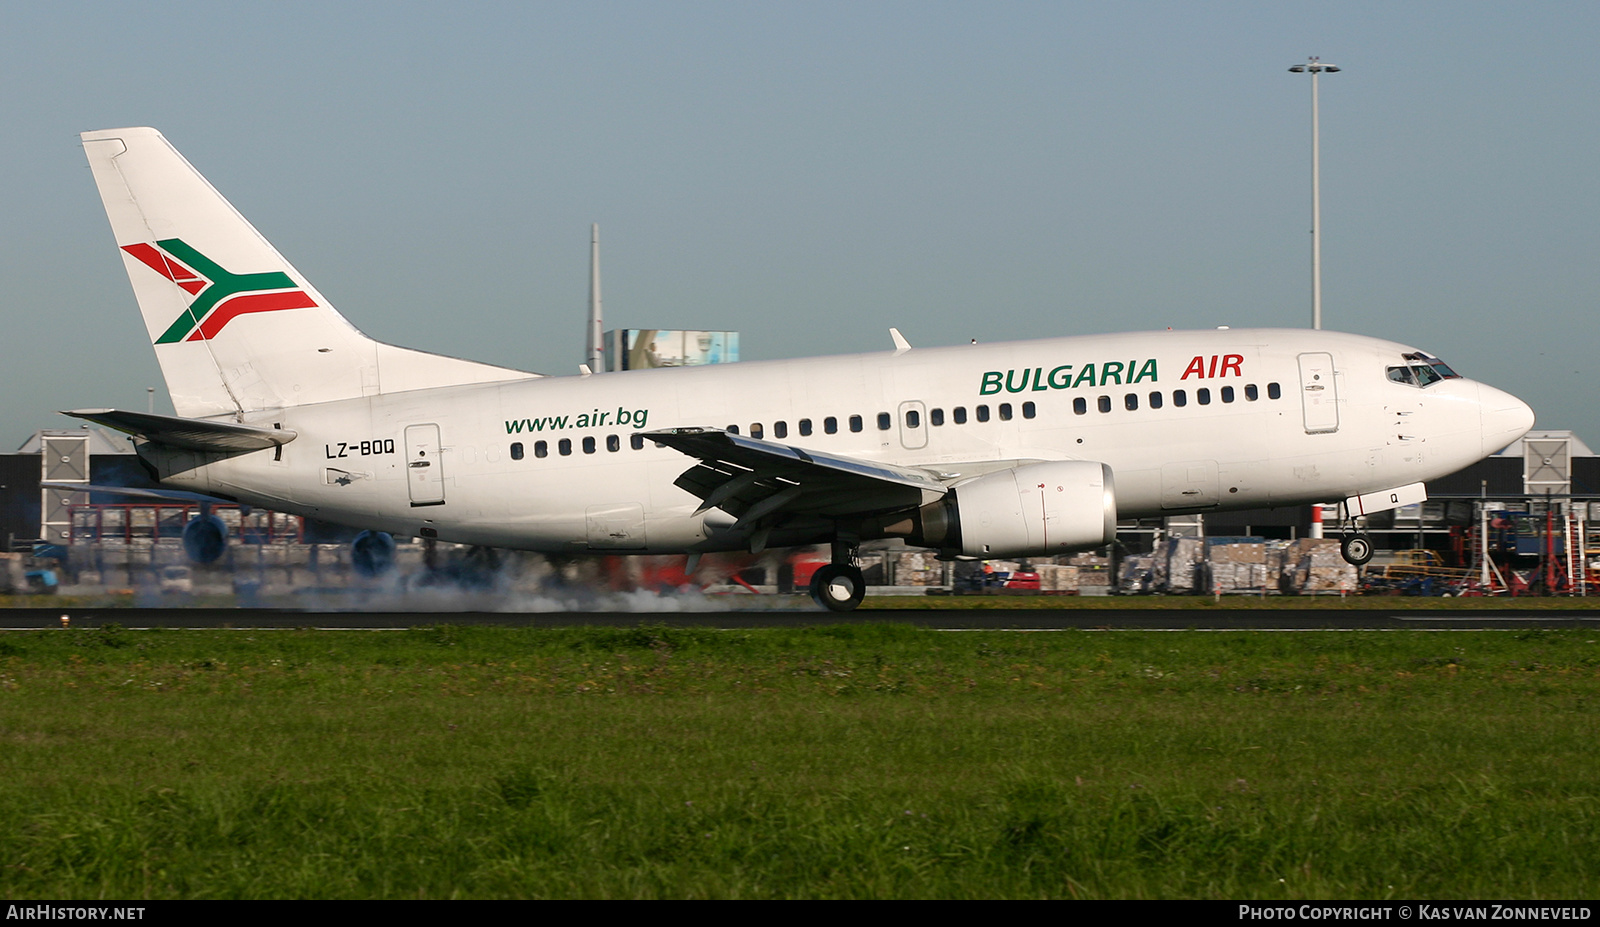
[[1111, 369], [1066, 379], [1016, 389], [992, 382], [1147, 371], [1087, 373]]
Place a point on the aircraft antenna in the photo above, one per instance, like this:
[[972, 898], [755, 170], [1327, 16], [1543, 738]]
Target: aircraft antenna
[[596, 331]]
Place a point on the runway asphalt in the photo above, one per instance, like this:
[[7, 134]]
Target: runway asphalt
[[1210, 619]]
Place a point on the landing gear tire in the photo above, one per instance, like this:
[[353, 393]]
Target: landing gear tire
[[837, 587], [1356, 549]]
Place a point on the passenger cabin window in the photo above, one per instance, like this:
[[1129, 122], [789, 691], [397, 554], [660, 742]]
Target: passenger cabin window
[[1029, 410], [936, 417], [1274, 391], [830, 425], [613, 443], [636, 442], [780, 429], [1131, 402], [516, 450], [1251, 393], [913, 420], [588, 445], [1105, 403], [959, 414], [855, 423], [756, 431], [983, 413], [1227, 394], [1080, 406], [733, 429], [541, 449], [565, 447], [1155, 399], [1203, 396], [1180, 398], [885, 421], [805, 428], [1005, 411]]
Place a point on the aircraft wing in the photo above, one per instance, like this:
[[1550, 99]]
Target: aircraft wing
[[189, 433], [760, 482]]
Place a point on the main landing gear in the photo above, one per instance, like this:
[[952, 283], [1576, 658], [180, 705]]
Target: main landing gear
[[839, 586]]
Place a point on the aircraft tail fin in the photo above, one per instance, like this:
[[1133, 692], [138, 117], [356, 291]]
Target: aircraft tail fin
[[235, 327]]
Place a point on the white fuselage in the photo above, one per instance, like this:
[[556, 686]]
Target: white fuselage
[[1287, 417]]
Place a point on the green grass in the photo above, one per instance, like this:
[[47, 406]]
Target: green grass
[[850, 761]]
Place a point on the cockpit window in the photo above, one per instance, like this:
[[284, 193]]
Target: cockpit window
[[1422, 370]]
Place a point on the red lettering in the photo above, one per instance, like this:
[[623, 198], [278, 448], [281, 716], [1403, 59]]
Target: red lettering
[[1196, 368], [1213, 366], [1233, 361]]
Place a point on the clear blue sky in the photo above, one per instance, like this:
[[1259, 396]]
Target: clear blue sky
[[813, 173]]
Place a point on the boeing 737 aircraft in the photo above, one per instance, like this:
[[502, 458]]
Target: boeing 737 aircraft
[[1020, 449]]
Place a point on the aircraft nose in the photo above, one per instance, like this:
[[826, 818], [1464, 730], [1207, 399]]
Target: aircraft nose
[[1505, 418]]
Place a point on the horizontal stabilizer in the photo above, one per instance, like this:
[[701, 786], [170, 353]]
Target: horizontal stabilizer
[[149, 495], [188, 433]]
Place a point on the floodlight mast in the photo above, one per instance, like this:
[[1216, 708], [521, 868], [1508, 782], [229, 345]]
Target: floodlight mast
[[1315, 66], [596, 328]]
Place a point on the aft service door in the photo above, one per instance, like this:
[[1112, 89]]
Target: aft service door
[[1319, 396], [424, 466]]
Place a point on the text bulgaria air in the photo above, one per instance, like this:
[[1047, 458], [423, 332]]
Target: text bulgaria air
[[1105, 373]]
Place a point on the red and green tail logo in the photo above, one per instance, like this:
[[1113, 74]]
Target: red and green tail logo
[[220, 297]]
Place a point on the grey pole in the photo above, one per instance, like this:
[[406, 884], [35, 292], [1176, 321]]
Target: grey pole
[[596, 339], [1315, 66]]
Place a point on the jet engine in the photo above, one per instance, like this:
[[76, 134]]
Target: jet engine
[[1036, 510], [205, 538]]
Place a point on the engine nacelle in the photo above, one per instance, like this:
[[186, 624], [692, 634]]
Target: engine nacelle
[[1036, 510], [205, 538]]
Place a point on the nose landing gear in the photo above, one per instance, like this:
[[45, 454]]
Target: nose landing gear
[[1356, 548], [1355, 545]]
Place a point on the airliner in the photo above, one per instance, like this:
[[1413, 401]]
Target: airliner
[[1018, 449]]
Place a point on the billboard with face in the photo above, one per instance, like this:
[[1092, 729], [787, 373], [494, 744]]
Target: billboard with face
[[646, 348]]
